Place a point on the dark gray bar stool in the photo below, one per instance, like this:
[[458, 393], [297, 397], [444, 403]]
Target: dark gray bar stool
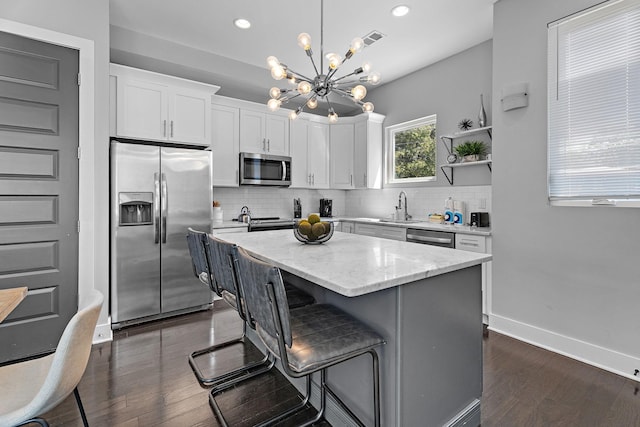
[[306, 339], [212, 259]]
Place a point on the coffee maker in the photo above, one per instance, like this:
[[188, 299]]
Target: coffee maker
[[326, 208]]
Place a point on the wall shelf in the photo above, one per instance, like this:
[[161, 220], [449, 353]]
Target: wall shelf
[[447, 140]]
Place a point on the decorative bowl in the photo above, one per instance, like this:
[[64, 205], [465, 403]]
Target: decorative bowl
[[311, 237]]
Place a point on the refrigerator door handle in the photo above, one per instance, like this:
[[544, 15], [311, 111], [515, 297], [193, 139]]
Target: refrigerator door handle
[[156, 209], [164, 203]]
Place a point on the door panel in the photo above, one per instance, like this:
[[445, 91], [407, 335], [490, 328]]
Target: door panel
[[188, 204], [38, 191]]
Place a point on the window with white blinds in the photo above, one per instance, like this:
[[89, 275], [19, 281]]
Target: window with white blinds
[[594, 104]]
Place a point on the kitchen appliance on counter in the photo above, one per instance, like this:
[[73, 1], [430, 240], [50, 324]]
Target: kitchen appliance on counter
[[480, 219], [245, 215], [326, 208], [265, 169], [156, 193], [297, 208]]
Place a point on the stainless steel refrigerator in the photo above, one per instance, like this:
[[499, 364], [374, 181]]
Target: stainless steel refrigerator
[[157, 192]]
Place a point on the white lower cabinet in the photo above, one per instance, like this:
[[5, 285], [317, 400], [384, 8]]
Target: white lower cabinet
[[383, 231], [481, 244], [345, 226]]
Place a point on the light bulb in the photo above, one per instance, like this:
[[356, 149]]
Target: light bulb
[[278, 72], [374, 78], [359, 92], [334, 60], [367, 107], [304, 87], [275, 92], [272, 61], [295, 113], [273, 104], [312, 103], [304, 41], [356, 45], [333, 117], [366, 66]]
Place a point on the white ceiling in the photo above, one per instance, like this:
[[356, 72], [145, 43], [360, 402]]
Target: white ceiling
[[433, 30]]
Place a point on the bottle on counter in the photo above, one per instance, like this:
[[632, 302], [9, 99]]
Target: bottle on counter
[[448, 211], [458, 212]]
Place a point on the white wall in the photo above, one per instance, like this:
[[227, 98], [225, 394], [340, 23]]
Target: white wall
[[564, 278], [451, 89], [85, 19]]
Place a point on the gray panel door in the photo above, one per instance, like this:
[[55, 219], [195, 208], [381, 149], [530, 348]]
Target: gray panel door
[[38, 191], [186, 201]]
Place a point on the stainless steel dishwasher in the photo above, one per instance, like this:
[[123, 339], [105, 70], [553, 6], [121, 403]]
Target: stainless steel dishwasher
[[429, 237]]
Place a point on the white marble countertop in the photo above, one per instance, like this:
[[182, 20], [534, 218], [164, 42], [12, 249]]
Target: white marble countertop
[[228, 224], [351, 264], [421, 224]]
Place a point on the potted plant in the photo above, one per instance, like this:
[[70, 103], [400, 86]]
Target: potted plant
[[470, 151]]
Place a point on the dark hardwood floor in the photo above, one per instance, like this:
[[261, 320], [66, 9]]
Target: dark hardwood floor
[[143, 378]]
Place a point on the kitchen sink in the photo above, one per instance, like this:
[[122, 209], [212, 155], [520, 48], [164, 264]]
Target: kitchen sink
[[400, 221]]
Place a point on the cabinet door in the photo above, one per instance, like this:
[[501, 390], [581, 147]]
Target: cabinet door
[[225, 145], [141, 109], [342, 142], [318, 155], [252, 138], [360, 159], [300, 176], [277, 134], [189, 117]]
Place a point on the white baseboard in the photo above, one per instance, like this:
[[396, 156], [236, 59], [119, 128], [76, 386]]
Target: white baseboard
[[600, 357], [103, 333]]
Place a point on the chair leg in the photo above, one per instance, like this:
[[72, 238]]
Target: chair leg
[[80, 407], [239, 372], [38, 420]]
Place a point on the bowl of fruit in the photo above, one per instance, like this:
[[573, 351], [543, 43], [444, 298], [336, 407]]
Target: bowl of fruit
[[313, 231]]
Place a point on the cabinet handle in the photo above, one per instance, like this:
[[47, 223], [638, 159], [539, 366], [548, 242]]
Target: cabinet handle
[[309, 179], [313, 179], [269, 145], [171, 128], [164, 128], [469, 243], [351, 179], [264, 144]]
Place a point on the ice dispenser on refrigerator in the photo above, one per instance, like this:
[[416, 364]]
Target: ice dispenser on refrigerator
[[135, 208]]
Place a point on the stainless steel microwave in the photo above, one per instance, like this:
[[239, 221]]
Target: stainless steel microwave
[[265, 169]]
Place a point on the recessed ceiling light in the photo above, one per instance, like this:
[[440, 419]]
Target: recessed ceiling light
[[400, 10], [242, 23]]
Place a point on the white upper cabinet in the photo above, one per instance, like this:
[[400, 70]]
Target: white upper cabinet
[[342, 153], [309, 154], [264, 133], [162, 108], [368, 161], [225, 145]]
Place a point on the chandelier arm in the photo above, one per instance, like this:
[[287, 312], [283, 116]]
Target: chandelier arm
[[342, 92], [344, 77], [314, 64], [301, 76]]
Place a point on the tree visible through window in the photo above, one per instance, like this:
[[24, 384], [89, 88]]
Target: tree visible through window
[[411, 151]]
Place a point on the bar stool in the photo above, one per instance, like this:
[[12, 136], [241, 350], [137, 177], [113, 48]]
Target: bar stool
[[306, 339], [212, 260]]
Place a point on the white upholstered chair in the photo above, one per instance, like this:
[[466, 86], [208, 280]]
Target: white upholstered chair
[[33, 387]]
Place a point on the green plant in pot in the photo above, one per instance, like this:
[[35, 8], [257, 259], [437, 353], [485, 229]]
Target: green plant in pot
[[470, 151]]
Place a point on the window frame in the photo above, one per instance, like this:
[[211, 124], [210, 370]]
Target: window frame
[[553, 51], [389, 146]]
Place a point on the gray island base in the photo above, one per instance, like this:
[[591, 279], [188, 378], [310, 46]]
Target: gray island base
[[424, 300]]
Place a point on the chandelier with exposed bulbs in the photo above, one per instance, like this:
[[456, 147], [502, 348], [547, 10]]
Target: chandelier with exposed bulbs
[[322, 85]]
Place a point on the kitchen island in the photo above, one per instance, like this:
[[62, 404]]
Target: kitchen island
[[424, 300]]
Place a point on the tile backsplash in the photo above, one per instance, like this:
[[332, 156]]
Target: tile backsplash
[[275, 201], [421, 200]]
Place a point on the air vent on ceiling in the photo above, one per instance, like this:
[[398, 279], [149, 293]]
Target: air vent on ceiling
[[372, 37]]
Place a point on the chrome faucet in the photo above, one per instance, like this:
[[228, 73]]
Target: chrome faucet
[[399, 207]]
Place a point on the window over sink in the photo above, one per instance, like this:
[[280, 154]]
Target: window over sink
[[411, 151]]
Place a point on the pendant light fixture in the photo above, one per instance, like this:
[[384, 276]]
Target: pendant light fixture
[[325, 82]]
